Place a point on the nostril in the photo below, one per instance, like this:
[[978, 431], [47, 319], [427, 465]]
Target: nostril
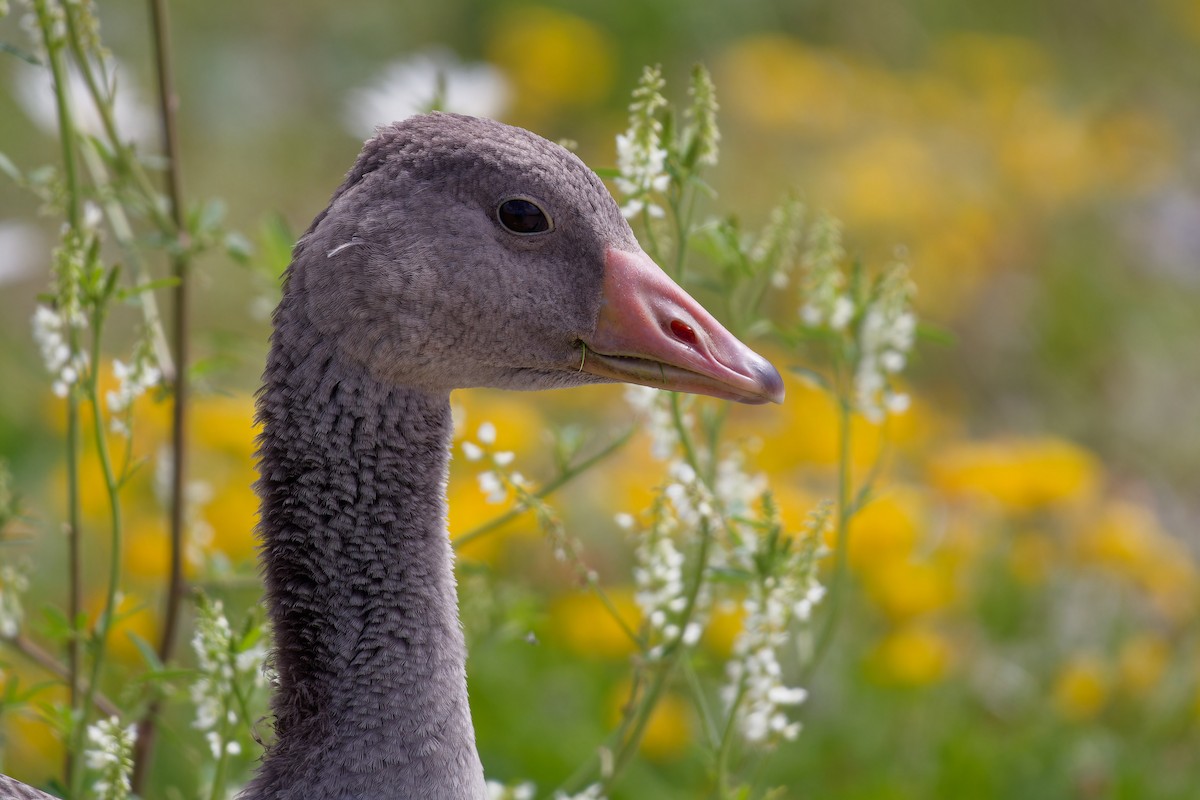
[[683, 332]]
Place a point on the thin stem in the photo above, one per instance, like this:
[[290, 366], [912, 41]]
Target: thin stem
[[837, 586], [44, 659], [595, 586], [100, 636], [168, 104], [727, 739], [671, 655], [67, 139], [706, 715], [566, 477], [123, 232]]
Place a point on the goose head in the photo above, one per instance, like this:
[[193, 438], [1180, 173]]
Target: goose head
[[462, 252]]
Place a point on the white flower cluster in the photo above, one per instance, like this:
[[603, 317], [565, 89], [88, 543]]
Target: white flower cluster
[[886, 336], [221, 663], [431, 78], [133, 380], [777, 600], [658, 574], [519, 791], [777, 245], [641, 157], [702, 115], [50, 333], [593, 792], [13, 582], [110, 755], [652, 406], [494, 483], [825, 301]]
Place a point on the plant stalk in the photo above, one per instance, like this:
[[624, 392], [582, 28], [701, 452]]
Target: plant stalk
[[168, 105]]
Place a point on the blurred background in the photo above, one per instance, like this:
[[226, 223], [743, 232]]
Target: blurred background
[[1025, 594]]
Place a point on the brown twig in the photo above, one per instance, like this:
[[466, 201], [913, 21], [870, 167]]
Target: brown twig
[[42, 657], [168, 105]]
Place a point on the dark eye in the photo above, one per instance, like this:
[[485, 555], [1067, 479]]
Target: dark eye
[[522, 216]]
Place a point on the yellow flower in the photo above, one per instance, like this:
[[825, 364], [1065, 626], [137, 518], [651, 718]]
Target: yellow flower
[[669, 729], [1127, 539], [887, 529], [1081, 689], [233, 514], [905, 589], [779, 83], [913, 655], [1141, 663], [554, 59], [1031, 557], [584, 625], [724, 624], [1021, 475]]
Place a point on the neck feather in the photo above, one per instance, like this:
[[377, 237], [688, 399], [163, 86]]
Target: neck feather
[[372, 698]]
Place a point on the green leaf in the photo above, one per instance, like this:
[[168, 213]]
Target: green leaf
[[607, 173], [10, 169], [24, 55], [937, 334], [813, 377], [149, 655]]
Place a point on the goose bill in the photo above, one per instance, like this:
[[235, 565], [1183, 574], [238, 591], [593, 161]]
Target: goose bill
[[652, 333]]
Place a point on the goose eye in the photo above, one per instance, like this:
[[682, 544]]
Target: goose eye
[[522, 216]]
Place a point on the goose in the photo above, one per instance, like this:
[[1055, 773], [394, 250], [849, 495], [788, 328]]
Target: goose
[[458, 252]]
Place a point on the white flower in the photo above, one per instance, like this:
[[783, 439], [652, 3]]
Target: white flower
[[134, 120], [641, 157], [774, 602], [491, 485], [132, 382], [415, 85], [50, 333], [22, 250], [110, 754], [503, 458], [593, 792], [886, 335], [13, 583], [472, 451], [487, 433]]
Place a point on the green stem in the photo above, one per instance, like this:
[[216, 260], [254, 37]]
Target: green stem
[[67, 140], [100, 636], [566, 477], [180, 269], [837, 587], [670, 657], [685, 439], [123, 232], [727, 739]]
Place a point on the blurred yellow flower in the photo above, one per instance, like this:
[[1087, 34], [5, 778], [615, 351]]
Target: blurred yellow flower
[[554, 59], [469, 508], [1031, 557], [233, 513], [887, 529], [912, 655], [904, 589], [669, 729], [1019, 474], [32, 749], [780, 83], [584, 625], [1141, 663], [1128, 539], [519, 427], [1081, 689], [724, 624]]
